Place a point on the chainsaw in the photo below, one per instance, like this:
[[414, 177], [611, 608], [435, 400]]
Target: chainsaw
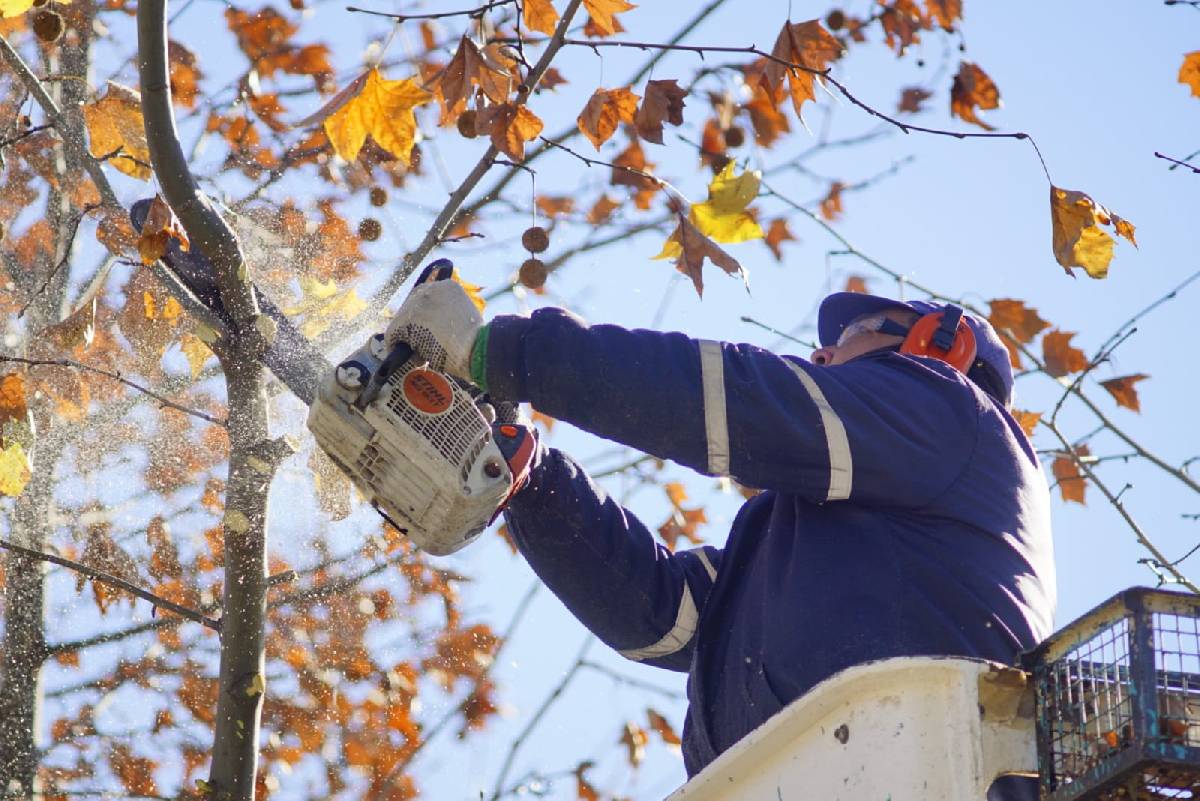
[[425, 449]]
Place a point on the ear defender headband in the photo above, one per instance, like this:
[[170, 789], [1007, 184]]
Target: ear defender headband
[[942, 335]]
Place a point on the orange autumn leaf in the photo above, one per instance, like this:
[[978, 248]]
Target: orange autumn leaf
[[12, 399], [663, 102], [778, 233], [540, 16], [634, 738], [1077, 238], [554, 206], [584, 791], [510, 127], [663, 728], [605, 110], [694, 248], [602, 209], [1027, 420], [855, 283], [807, 45], [602, 11], [973, 89], [768, 121], [1123, 391], [831, 204], [1189, 72], [1014, 317], [371, 105], [116, 131], [160, 227], [184, 74], [944, 12], [1071, 482], [901, 23], [1060, 357]]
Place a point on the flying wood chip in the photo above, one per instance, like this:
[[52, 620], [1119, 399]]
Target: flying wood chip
[[1060, 357], [809, 48], [1078, 240], [510, 127], [371, 105], [116, 132], [1123, 391], [973, 89], [540, 16], [1189, 72], [663, 103], [602, 11], [605, 110]]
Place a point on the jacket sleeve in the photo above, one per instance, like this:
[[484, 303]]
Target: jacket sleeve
[[633, 593], [883, 428]]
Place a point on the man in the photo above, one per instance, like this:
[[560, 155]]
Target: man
[[904, 512]]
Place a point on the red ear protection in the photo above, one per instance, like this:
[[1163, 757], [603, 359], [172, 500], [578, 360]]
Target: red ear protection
[[943, 335]]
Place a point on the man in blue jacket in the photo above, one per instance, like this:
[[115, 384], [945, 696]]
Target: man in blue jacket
[[904, 512]]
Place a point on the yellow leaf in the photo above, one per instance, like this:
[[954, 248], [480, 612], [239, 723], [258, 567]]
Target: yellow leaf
[[473, 291], [14, 470], [1077, 237], [540, 16], [723, 217], [372, 105], [114, 124], [15, 8], [197, 353], [1189, 72], [321, 304]]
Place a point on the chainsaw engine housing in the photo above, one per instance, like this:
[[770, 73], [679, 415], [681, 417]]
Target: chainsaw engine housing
[[421, 450]]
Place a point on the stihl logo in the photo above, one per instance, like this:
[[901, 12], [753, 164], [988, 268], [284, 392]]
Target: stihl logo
[[428, 391]]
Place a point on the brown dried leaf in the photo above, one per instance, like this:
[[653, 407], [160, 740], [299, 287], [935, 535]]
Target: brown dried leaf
[[554, 205], [855, 283], [510, 127], [602, 209], [634, 738], [768, 121], [663, 102], [1060, 357], [663, 727], [945, 12], [911, 99], [1015, 318], [1071, 483], [1123, 391], [831, 204], [808, 45], [12, 399], [606, 109], [778, 233], [695, 247], [160, 227], [184, 74], [469, 67], [973, 89], [901, 23]]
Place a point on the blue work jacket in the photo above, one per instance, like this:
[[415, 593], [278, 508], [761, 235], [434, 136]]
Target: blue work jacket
[[904, 513]]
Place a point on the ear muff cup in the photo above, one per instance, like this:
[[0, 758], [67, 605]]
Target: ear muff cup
[[921, 342]]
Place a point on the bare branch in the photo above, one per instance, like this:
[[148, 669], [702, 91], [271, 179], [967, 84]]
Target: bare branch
[[1177, 162], [113, 581], [469, 12]]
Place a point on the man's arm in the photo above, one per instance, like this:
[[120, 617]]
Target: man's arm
[[883, 428], [633, 593]]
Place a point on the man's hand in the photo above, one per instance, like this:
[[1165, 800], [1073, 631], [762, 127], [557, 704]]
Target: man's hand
[[439, 321]]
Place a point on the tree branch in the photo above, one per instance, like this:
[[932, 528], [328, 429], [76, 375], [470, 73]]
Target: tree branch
[[162, 400], [469, 12], [119, 583]]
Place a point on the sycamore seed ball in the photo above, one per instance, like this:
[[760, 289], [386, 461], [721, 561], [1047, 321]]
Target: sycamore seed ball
[[466, 124], [535, 239], [369, 229], [836, 19], [378, 196], [532, 273], [48, 25], [735, 136]]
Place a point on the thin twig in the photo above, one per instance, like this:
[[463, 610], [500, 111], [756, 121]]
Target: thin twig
[[27, 133], [1099, 359], [116, 377], [1176, 162], [61, 262], [469, 12], [113, 581]]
